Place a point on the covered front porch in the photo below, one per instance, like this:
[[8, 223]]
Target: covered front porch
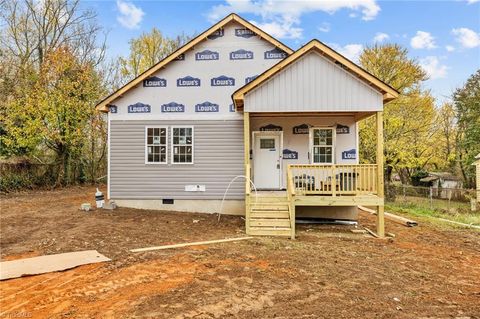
[[301, 135], [322, 179]]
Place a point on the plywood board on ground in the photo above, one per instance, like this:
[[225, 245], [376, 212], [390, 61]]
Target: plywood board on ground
[[49, 263]]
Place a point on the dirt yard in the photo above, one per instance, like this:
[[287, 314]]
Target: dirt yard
[[327, 272]]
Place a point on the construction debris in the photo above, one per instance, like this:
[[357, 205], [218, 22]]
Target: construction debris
[[189, 244], [398, 219], [49, 263]]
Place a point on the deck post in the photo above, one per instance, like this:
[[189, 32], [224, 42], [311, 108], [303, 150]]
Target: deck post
[[380, 179], [246, 139]]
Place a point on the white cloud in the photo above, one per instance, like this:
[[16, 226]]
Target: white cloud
[[280, 30], [283, 16], [433, 67], [472, 1], [467, 37], [351, 51], [380, 37], [325, 27], [130, 15], [423, 40], [450, 48]]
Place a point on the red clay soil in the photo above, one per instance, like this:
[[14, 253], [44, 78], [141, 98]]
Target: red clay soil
[[327, 272]]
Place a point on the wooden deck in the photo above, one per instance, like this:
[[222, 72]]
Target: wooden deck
[[273, 213]]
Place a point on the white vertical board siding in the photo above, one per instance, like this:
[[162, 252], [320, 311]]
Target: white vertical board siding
[[313, 83], [218, 158]]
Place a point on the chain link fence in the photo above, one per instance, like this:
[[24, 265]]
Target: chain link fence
[[446, 200]]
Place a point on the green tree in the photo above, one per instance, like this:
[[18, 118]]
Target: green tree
[[408, 120], [466, 101], [56, 115], [147, 50]]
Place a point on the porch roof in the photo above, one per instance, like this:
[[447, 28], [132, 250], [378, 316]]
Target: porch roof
[[387, 92]]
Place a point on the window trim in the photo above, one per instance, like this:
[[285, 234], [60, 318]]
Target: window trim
[[334, 142], [146, 144], [173, 145]]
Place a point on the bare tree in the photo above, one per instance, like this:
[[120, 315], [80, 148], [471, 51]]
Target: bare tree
[[32, 29]]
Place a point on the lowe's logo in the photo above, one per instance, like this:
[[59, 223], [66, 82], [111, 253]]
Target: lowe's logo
[[249, 79], [180, 57], [222, 81], [350, 154], [154, 81], [139, 108], [188, 81], [231, 108], [217, 34], [206, 107], [206, 55], [244, 33], [275, 54], [289, 154], [241, 55], [173, 107], [113, 109]]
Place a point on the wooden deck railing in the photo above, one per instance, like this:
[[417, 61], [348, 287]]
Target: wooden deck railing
[[332, 180]]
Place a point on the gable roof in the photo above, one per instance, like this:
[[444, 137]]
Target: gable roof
[[388, 92], [103, 105]]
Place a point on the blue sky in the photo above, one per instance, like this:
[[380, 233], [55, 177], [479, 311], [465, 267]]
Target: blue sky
[[444, 36]]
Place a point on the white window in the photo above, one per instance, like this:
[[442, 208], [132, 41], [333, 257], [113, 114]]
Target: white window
[[322, 145], [182, 145], [156, 145]]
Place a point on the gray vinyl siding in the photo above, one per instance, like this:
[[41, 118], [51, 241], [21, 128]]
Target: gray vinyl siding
[[218, 157], [313, 83]]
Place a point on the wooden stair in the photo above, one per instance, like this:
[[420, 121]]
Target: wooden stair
[[269, 215]]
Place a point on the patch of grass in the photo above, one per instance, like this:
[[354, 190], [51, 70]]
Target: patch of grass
[[414, 210]]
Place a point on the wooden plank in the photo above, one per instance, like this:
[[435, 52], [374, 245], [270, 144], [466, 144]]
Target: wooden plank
[[267, 222], [366, 200], [208, 242], [398, 219], [371, 232], [273, 215], [262, 231]]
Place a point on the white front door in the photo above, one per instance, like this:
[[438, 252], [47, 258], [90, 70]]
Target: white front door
[[267, 160]]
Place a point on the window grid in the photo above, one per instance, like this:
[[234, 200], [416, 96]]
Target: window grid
[[182, 145], [156, 141], [322, 146]]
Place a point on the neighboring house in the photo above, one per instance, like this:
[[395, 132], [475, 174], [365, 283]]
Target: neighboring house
[[445, 185], [234, 102], [477, 175], [442, 180]]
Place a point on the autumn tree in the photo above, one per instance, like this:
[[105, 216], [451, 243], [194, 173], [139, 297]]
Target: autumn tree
[[147, 50], [466, 101], [57, 113], [408, 126]]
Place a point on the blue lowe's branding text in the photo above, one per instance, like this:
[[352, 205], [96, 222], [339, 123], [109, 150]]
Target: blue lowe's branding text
[[206, 55], [173, 107], [222, 81], [206, 107], [188, 81], [241, 55], [154, 81], [139, 108]]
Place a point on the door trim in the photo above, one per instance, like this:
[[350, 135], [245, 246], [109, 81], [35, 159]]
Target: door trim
[[280, 154]]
